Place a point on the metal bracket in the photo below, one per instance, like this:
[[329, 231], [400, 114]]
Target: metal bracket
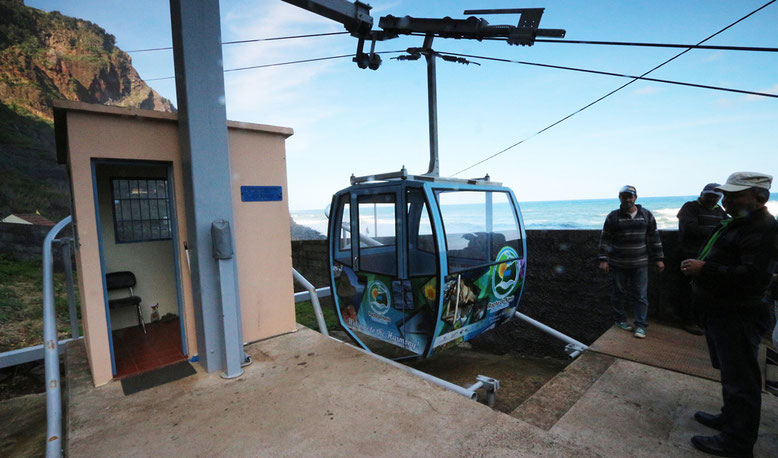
[[491, 385]]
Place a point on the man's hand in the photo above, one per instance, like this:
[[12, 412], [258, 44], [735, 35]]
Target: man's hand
[[604, 266], [660, 266], [691, 267]]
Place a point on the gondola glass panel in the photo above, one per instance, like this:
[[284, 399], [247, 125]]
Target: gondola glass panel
[[485, 263]]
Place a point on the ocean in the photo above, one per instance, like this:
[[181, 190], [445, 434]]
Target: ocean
[[559, 214]]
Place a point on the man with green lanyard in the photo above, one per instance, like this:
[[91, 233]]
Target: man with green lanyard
[[729, 279]]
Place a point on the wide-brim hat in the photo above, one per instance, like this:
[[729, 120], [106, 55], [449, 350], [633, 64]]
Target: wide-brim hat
[[740, 181]]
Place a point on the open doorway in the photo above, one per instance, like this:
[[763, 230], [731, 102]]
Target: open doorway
[[138, 254]]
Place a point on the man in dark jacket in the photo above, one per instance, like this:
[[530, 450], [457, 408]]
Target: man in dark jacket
[[730, 276], [696, 220], [629, 237]]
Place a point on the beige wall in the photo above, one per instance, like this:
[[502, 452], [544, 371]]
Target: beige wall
[[262, 239], [263, 244], [151, 262]]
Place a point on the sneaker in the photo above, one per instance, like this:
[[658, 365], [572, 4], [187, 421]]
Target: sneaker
[[624, 325], [640, 333]]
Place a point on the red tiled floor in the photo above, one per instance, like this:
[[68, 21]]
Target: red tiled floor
[[136, 352]]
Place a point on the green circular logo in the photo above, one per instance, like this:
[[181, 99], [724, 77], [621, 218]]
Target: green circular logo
[[378, 297], [505, 276]]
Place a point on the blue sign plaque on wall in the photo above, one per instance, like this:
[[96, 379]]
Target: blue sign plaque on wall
[[261, 193]]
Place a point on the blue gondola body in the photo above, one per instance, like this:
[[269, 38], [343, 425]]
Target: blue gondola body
[[424, 263]]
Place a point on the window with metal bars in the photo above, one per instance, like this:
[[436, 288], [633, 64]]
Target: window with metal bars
[[141, 209]]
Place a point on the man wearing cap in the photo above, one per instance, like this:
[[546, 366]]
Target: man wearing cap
[[696, 220], [729, 278], [629, 237]]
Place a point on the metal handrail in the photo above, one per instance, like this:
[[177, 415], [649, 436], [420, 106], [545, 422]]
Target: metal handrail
[[314, 300], [51, 350]]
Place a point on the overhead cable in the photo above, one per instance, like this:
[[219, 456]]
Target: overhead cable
[[278, 64], [291, 37], [621, 75], [661, 45], [613, 91]]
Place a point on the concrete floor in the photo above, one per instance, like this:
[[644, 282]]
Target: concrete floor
[[306, 395]]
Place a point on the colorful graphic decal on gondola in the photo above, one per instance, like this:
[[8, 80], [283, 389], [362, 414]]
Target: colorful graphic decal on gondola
[[395, 311], [477, 300]]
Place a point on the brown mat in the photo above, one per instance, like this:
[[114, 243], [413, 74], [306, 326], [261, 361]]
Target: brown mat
[[665, 347]]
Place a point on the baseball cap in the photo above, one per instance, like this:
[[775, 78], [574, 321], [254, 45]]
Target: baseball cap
[[710, 188], [629, 190], [740, 181]]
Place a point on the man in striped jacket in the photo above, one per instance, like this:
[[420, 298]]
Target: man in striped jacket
[[629, 239]]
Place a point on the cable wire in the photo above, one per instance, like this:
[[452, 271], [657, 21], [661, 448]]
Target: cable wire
[[661, 45], [621, 75], [278, 64], [615, 90], [291, 37], [640, 44]]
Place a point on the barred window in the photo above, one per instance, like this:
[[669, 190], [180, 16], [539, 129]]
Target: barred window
[[141, 210]]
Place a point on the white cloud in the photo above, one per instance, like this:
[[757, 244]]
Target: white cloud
[[771, 90], [647, 90]]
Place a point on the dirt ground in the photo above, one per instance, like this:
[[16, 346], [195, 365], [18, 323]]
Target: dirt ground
[[520, 376]]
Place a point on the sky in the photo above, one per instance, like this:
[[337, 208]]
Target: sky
[[666, 140]]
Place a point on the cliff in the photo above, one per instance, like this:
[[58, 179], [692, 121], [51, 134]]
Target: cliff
[[45, 57]]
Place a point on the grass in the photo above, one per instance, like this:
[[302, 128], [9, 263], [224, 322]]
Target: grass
[[21, 303], [305, 316]]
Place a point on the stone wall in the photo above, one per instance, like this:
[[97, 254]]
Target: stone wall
[[25, 241], [564, 289]]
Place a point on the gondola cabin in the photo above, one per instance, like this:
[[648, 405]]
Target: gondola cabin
[[423, 262]]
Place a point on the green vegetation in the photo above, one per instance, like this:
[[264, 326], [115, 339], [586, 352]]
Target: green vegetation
[[305, 316], [21, 303]]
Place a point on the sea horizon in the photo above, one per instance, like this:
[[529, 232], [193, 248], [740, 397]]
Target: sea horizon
[[579, 214]]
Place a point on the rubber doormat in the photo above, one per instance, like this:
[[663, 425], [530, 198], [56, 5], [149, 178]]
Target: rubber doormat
[[664, 346], [157, 377]]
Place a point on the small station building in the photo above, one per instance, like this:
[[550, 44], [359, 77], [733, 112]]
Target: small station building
[[128, 188]]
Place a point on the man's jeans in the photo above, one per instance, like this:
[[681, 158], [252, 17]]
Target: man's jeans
[[629, 287]]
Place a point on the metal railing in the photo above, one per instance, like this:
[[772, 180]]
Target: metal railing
[[51, 346], [36, 352]]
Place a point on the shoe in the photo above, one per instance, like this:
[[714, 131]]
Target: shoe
[[640, 333], [624, 325], [709, 420], [692, 328], [715, 445]]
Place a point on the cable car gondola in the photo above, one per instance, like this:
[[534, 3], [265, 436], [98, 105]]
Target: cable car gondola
[[418, 261], [424, 262]]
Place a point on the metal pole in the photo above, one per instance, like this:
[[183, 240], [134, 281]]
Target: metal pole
[[432, 99], [69, 282], [430, 378], [575, 347], [51, 351], [314, 300]]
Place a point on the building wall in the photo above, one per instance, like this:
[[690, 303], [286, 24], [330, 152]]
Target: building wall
[[151, 262], [262, 238]]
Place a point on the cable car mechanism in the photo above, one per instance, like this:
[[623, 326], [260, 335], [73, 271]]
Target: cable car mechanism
[[423, 262]]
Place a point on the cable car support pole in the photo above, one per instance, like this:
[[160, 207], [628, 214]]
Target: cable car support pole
[[432, 97]]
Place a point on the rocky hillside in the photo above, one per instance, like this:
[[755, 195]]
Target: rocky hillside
[[45, 57]]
